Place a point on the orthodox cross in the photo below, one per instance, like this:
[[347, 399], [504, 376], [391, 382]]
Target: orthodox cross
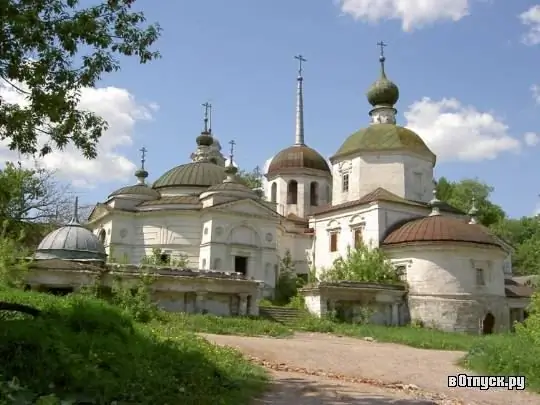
[[232, 143], [207, 108], [301, 60], [382, 45], [143, 151]]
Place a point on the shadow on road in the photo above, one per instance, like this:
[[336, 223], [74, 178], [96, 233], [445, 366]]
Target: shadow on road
[[300, 391]]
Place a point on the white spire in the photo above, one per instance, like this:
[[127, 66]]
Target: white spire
[[299, 139]]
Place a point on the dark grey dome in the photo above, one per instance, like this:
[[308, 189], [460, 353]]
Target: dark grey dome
[[71, 242]]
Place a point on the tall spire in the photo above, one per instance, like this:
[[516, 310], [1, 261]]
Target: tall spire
[[75, 217], [299, 138], [141, 173], [383, 95]]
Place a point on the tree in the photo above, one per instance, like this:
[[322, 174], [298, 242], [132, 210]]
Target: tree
[[252, 179], [363, 264], [288, 282], [460, 194], [51, 49], [524, 235]]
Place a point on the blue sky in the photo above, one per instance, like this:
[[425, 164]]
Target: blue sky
[[465, 71]]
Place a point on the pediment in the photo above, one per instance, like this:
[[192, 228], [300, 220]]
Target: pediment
[[246, 207], [99, 211]]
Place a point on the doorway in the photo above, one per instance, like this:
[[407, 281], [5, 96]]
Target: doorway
[[488, 324], [241, 264]]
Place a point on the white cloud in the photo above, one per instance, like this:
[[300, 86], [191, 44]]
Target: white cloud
[[412, 13], [120, 109], [531, 138], [457, 132], [531, 19]]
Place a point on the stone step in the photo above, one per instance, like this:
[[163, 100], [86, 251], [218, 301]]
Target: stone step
[[280, 314]]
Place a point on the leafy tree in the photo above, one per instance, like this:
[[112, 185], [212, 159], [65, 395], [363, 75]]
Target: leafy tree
[[252, 179], [363, 264], [288, 282], [51, 49], [524, 235], [460, 194]]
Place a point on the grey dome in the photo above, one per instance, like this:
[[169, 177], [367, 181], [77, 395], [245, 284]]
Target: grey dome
[[71, 242]]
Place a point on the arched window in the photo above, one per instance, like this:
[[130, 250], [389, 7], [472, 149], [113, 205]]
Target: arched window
[[273, 192], [102, 235], [314, 193], [292, 192]]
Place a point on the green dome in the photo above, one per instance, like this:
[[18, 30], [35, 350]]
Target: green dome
[[384, 137], [203, 174], [141, 173], [137, 189], [383, 92], [205, 139]]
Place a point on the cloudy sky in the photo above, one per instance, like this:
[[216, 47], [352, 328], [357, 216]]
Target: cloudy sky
[[468, 72]]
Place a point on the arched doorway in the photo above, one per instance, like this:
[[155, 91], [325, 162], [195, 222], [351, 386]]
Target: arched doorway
[[488, 324]]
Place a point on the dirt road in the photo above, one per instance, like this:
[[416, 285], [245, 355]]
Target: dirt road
[[339, 360]]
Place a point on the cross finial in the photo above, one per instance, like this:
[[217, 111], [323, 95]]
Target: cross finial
[[207, 111], [301, 61], [231, 153], [143, 151], [382, 45]]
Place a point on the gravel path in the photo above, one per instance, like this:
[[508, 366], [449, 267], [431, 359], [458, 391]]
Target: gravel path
[[402, 372]]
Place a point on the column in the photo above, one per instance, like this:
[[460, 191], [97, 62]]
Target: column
[[243, 310], [395, 314], [200, 302]]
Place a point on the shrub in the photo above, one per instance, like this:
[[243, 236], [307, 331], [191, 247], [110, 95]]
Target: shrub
[[362, 264], [511, 354], [84, 349]]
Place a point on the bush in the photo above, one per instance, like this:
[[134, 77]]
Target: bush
[[83, 349], [511, 354]]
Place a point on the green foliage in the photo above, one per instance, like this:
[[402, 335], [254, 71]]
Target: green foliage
[[363, 264], [252, 179], [288, 281], [14, 259], [524, 235], [52, 49], [89, 351], [511, 354], [460, 194], [241, 326]]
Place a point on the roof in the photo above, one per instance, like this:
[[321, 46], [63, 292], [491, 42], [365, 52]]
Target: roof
[[137, 189], [230, 186], [203, 174], [438, 228], [384, 137], [297, 157], [183, 199], [71, 242], [514, 289], [381, 194]]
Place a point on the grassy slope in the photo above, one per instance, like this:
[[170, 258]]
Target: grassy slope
[[86, 349]]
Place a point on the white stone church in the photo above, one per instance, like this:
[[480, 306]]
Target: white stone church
[[377, 188]]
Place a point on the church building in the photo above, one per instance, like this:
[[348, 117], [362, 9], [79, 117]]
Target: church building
[[377, 188]]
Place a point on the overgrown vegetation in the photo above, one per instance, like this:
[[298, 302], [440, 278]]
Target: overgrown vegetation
[[362, 264], [112, 345], [516, 354]]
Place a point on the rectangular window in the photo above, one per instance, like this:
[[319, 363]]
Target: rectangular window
[[345, 184], [333, 242], [358, 240], [480, 280]]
